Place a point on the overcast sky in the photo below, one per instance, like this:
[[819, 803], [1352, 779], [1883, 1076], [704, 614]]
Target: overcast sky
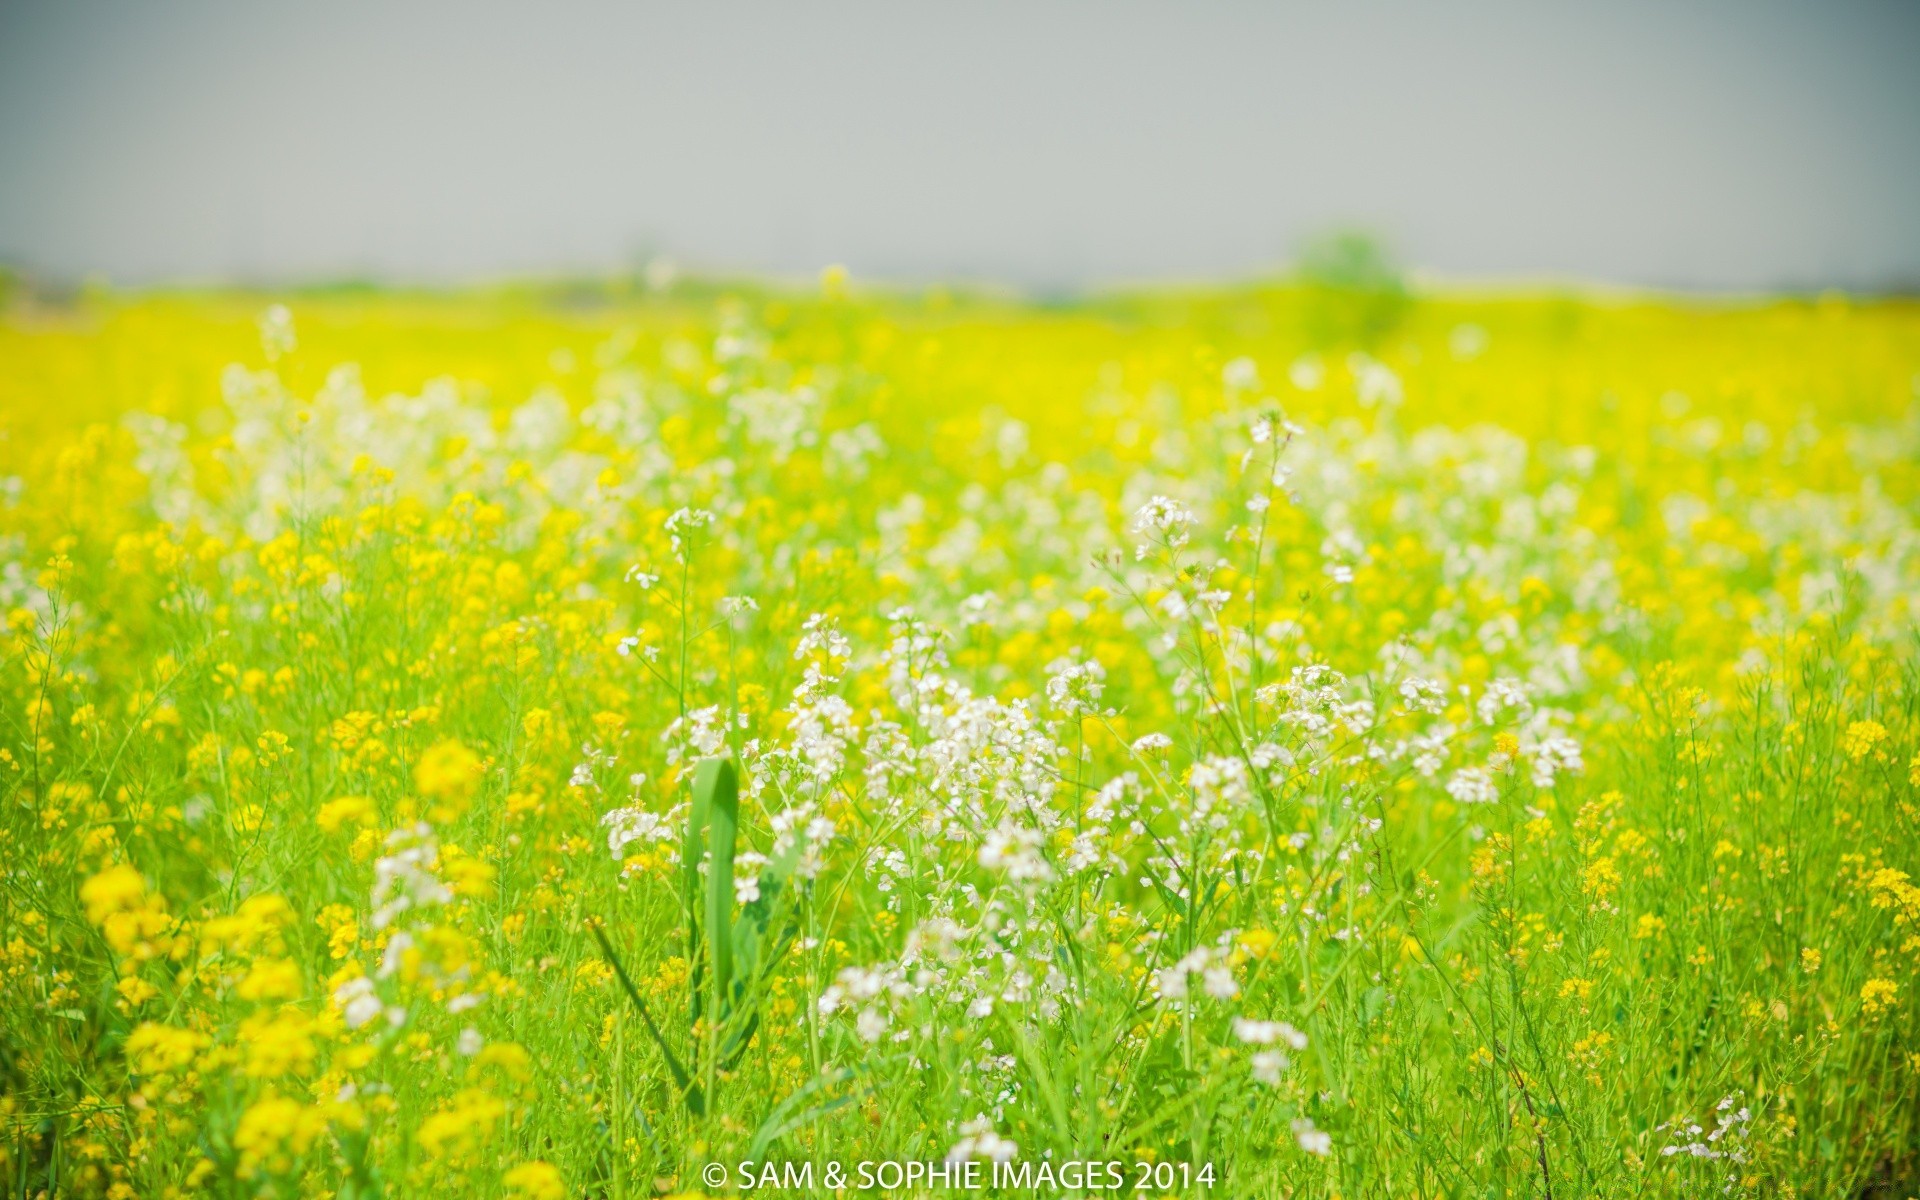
[[1724, 145]]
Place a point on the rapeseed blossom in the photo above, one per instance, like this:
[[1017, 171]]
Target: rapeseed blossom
[[1158, 725]]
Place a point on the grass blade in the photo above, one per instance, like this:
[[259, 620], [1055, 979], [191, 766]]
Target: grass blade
[[696, 1101]]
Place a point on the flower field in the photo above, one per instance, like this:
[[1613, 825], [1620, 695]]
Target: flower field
[[544, 743]]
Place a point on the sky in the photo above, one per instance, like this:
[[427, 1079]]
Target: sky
[[1716, 145]]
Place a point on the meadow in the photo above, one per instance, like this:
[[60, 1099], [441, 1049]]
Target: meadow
[[1292, 740]]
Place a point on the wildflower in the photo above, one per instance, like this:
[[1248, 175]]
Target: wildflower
[[404, 879], [625, 826], [1311, 1139], [1862, 738], [978, 1139], [1016, 851], [1268, 1065], [276, 332], [156, 1049], [509, 1058], [686, 521], [1075, 687], [458, 1129], [357, 1001], [275, 1133], [117, 889], [1552, 757], [1163, 520], [536, 1180], [1877, 996], [1473, 785], [270, 979], [1240, 375], [342, 811], [1266, 1033], [447, 774], [278, 1044], [1422, 695], [1212, 968]]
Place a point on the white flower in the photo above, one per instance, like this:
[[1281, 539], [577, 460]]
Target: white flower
[[1266, 1033], [686, 520], [1551, 757], [1163, 519], [1374, 382], [624, 825], [404, 879], [1473, 785], [470, 1042], [1218, 981], [276, 332], [746, 880], [1313, 1141], [357, 1002], [1306, 374], [1075, 687], [1422, 695], [1502, 694], [1267, 1066], [1216, 976], [979, 1140], [1016, 850]]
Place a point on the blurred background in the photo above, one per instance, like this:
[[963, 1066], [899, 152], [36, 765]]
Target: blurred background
[[1053, 146]]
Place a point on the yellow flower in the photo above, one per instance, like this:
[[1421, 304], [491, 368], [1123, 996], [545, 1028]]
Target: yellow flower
[[275, 1133], [1878, 996], [447, 774], [135, 991], [1810, 960], [270, 979], [156, 1049], [343, 811], [119, 888], [460, 1128], [536, 1180], [342, 929], [1258, 942], [510, 1057], [1861, 738], [278, 1044]]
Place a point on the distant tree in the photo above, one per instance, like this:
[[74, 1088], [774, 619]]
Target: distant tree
[[1354, 293]]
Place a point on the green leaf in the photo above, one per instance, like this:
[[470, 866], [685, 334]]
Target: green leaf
[[716, 790]]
